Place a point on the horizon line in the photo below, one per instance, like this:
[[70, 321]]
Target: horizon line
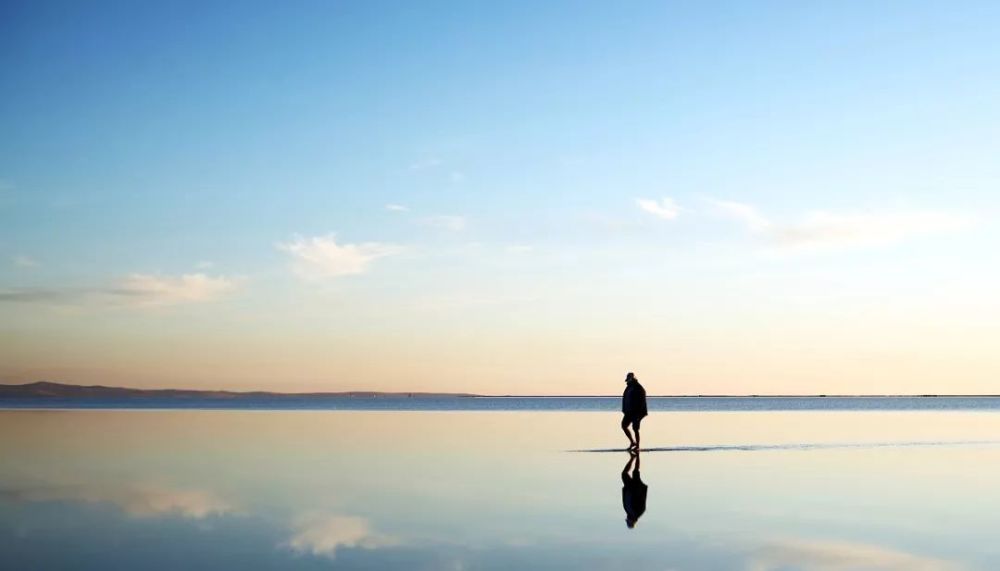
[[425, 393]]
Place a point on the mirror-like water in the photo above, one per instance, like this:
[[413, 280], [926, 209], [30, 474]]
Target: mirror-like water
[[185, 489]]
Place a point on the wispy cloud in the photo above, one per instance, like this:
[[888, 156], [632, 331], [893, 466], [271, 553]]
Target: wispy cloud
[[319, 257], [57, 296], [23, 261], [829, 229], [324, 534], [396, 207], [665, 208], [149, 289], [811, 555], [834, 230], [142, 501], [451, 223], [135, 290], [743, 213]]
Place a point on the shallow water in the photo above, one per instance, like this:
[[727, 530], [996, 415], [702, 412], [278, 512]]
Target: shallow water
[[186, 489]]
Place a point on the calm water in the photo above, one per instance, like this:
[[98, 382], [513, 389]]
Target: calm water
[[758, 491]]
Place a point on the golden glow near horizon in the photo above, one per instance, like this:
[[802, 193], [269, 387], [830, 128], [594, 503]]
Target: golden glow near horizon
[[749, 328]]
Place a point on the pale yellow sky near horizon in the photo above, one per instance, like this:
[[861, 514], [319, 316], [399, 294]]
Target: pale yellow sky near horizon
[[746, 342]]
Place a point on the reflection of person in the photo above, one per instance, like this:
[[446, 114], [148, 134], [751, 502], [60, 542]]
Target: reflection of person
[[633, 492], [633, 408]]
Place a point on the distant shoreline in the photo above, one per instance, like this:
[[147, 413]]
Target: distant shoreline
[[44, 390]]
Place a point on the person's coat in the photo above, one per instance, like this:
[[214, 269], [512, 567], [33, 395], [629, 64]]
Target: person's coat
[[634, 400]]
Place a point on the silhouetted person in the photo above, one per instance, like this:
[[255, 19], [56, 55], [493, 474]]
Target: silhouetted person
[[633, 409], [633, 492]]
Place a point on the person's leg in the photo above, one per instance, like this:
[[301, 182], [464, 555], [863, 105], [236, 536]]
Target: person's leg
[[635, 427], [625, 423], [625, 472]]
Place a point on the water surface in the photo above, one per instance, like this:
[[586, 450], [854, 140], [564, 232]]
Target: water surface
[[764, 490]]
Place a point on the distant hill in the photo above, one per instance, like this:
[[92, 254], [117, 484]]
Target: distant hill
[[59, 391]]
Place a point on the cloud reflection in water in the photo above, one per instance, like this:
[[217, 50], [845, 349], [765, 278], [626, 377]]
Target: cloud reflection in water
[[135, 500], [323, 534], [824, 555]]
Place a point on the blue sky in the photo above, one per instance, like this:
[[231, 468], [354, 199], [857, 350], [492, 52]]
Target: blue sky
[[215, 179]]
